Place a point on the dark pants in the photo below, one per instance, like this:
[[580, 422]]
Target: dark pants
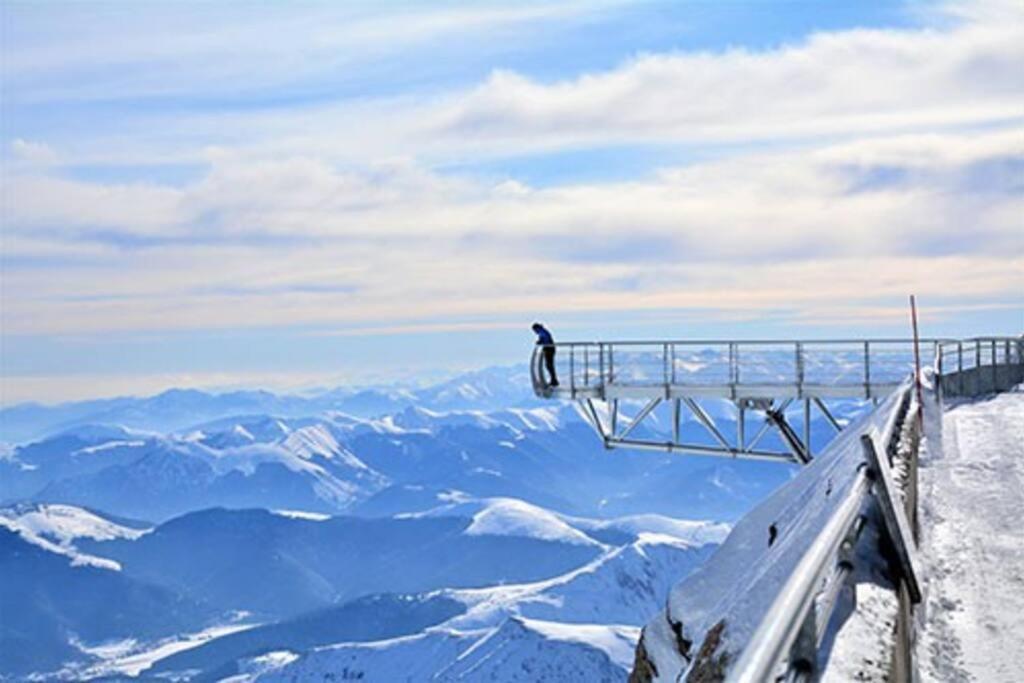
[[549, 363]]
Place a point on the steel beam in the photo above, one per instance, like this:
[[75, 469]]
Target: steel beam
[[644, 412]]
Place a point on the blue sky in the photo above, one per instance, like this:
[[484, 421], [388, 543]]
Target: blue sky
[[295, 194]]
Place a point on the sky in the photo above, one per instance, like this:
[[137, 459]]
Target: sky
[[284, 195]]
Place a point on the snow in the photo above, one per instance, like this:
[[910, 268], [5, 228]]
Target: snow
[[261, 664], [55, 528], [698, 532], [519, 650], [618, 642], [511, 517], [972, 493], [62, 524], [410, 658], [302, 514], [109, 445], [127, 658], [863, 644]]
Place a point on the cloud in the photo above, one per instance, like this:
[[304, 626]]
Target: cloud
[[33, 153], [395, 242], [894, 166], [839, 83]]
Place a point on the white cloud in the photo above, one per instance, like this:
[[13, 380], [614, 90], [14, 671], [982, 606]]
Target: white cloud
[[33, 153], [858, 81], [329, 215], [301, 242]]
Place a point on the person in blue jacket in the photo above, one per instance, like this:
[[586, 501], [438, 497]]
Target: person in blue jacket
[[545, 340]]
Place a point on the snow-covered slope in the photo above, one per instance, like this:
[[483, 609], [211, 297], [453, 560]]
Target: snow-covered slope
[[510, 517], [55, 528], [520, 650], [56, 603], [62, 524], [625, 585]]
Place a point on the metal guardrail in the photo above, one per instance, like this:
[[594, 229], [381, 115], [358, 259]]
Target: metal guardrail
[[785, 644], [791, 632], [971, 367], [868, 368]]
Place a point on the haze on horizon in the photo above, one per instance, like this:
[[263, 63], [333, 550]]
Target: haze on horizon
[[280, 195]]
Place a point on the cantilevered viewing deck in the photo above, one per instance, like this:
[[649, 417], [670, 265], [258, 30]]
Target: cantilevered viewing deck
[[765, 377]]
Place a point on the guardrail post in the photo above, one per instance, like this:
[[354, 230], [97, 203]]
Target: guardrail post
[[896, 523], [799, 369], [586, 366], [960, 366], [611, 364], [736, 364], [600, 369], [572, 370], [803, 656], [995, 370], [673, 351], [867, 369], [664, 364]]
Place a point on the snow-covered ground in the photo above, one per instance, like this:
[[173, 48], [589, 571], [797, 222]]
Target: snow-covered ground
[[972, 494], [129, 658]]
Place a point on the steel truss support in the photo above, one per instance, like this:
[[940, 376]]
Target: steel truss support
[[617, 429]]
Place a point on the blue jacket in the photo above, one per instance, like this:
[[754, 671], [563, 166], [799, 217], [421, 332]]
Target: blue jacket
[[544, 337]]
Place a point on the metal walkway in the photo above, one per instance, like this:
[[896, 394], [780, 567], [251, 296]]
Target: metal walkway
[[769, 382]]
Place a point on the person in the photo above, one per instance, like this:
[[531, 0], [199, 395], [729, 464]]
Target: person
[[545, 340]]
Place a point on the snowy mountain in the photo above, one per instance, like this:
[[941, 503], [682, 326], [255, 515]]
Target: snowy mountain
[[520, 650], [277, 565], [177, 409], [376, 467], [55, 601], [581, 626], [503, 569], [464, 531]]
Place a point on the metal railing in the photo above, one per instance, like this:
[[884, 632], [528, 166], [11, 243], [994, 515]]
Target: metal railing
[[866, 367], [785, 644], [869, 368], [970, 367]]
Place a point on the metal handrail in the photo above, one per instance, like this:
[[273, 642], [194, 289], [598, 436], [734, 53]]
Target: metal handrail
[[878, 371], [782, 625], [793, 621], [761, 342]]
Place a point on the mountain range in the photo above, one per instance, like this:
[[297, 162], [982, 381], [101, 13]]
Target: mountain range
[[463, 531]]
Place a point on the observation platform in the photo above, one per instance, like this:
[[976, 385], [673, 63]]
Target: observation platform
[[772, 381]]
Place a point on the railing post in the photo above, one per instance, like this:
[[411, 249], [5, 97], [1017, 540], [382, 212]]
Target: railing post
[[960, 366], [799, 369], [673, 363], [867, 369], [664, 365], [600, 368], [611, 364], [995, 371], [586, 365], [572, 370], [736, 364]]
